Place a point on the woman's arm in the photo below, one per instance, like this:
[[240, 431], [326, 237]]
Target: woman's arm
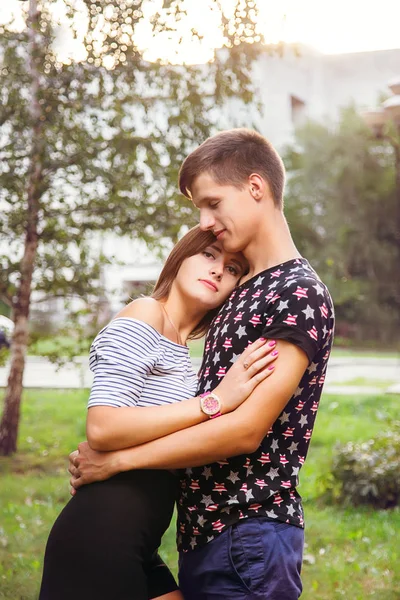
[[123, 356], [110, 428]]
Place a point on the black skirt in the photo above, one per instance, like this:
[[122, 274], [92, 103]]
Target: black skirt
[[104, 543]]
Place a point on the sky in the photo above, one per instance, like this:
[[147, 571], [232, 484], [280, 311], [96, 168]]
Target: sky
[[330, 27]]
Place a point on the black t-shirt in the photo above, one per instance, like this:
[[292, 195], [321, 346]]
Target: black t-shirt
[[287, 302]]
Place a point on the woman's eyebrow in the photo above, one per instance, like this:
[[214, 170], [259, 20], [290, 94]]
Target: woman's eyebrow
[[238, 263], [216, 248]]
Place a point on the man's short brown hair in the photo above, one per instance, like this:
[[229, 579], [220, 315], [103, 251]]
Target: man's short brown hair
[[230, 157]]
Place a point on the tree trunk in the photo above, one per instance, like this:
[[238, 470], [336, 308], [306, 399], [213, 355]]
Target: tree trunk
[[21, 303]]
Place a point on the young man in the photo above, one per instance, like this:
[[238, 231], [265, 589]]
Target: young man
[[240, 519]]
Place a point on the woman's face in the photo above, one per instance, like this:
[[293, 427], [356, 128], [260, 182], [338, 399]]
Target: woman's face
[[210, 276]]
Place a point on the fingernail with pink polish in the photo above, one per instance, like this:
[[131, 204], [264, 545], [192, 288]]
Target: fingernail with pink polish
[[271, 367], [274, 353], [272, 343]]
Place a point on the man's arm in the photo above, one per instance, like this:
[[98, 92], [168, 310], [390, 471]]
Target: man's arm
[[239, 432]]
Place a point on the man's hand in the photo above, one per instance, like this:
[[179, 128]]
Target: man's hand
[[87, 465]]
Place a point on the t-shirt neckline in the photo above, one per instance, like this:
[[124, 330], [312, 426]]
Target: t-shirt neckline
[[265, 271]]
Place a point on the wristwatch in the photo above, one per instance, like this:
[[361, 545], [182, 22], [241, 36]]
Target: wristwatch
[[210, 404]]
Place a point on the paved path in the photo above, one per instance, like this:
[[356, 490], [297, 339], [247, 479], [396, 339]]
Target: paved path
[[40, 373]]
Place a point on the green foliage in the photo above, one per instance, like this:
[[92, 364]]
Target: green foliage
[[341, 206], [114, 131], [369, 472]]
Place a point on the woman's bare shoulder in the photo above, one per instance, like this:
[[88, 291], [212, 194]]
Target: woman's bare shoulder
[[147, 310]]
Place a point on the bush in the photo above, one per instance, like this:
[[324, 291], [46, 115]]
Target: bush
[[369, 472]]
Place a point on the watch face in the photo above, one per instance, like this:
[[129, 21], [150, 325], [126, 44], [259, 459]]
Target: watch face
[[210, 405]]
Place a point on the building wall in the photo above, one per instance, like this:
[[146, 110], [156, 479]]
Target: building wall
[[325, 83]]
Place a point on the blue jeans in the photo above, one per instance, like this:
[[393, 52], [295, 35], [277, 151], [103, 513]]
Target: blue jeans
[[255, 559]]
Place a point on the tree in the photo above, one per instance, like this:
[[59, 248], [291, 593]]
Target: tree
[[341, 204], [94, 146]]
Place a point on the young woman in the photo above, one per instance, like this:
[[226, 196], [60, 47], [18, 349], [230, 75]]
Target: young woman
[[104, 543]]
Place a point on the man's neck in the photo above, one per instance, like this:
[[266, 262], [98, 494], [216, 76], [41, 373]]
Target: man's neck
[[272, 244]]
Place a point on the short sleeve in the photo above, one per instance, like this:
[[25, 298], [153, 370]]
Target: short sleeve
[[121, 357], [303, 315]]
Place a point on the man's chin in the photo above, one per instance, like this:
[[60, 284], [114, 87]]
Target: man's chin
[[231, 245]]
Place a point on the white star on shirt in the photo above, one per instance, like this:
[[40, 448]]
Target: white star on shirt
[[254, 305], [298, 392], [303, 420], [272, 473], [241, 331], [271, 514], [241, 304], [319, 289], [216, 358], [309, 312], [324, 330], [224, 329], [249, 470], [216, 332], [207, 472], [284, 418], [295, 471], [201, 520], [189, 471], [233, 476], [234, 358], [193, 542], [290, 282], [233, 500], [274, 445], [273, 284], [282, 305], [295, 269], [207, 387], [259, 281], [226, 510], [249, 494], [293, 447], [290, 510], [312, 367], [206, 500]]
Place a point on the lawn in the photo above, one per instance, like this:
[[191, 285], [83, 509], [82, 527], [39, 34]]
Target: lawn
[[351, 554]]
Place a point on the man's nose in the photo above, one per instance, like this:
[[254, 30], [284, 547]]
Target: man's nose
[[207, 221]]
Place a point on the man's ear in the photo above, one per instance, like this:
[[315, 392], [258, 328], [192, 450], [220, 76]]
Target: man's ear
[[257, 186]]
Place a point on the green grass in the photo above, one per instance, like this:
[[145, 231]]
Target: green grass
[[370, 383], [338, 352], [351, 553]]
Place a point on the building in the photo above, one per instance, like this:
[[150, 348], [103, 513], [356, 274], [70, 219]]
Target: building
[[306, 84]]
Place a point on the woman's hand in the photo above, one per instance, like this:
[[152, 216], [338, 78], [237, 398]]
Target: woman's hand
[[253, 366]]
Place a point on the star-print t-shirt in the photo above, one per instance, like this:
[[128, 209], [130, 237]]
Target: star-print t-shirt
[[287, 302]]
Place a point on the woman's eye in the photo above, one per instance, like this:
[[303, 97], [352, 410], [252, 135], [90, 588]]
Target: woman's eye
[[207, 254], [232, 270], [214, 205]]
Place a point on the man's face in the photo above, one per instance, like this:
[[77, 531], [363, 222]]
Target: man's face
[[229, 212]]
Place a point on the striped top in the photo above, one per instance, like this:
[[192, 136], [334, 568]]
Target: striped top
[[135, 365]]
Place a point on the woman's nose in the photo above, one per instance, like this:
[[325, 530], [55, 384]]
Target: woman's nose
[[217, 273]]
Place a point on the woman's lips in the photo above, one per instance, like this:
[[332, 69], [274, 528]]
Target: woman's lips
[[209, 284]]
